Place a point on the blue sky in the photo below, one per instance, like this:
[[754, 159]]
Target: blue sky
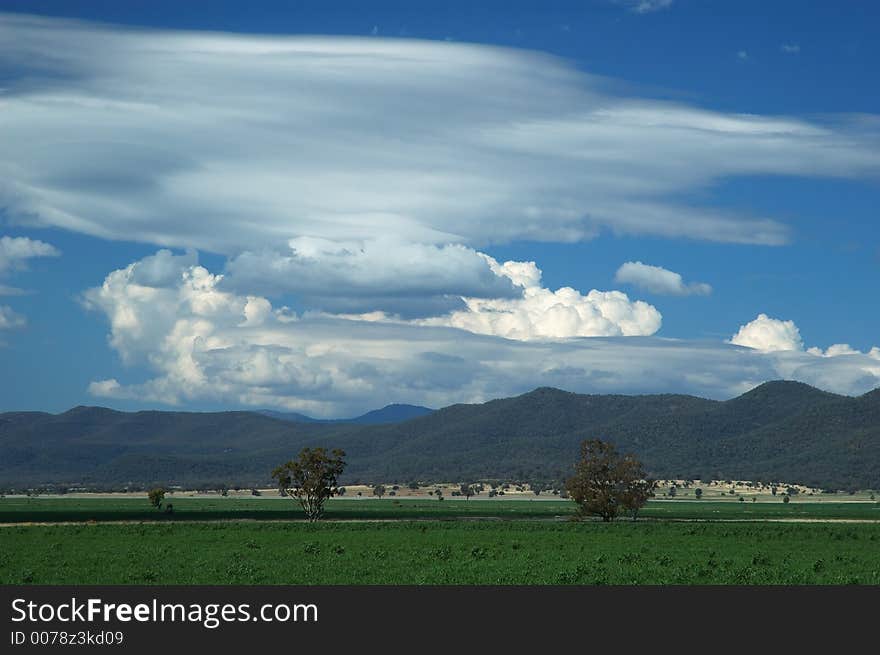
[[360, 197]]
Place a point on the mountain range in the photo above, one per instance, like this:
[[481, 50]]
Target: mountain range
[[394, 413], [779, 431]]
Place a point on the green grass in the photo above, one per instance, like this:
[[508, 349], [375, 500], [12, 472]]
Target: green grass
[[442, 552], [57, 509]]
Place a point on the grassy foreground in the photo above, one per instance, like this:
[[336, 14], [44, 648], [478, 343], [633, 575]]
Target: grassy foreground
[[442, 552], [57, 509]]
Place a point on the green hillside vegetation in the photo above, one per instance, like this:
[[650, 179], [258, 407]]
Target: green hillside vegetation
[[780, 431]]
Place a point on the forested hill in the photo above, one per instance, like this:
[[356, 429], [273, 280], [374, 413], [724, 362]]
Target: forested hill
[[778, 431]]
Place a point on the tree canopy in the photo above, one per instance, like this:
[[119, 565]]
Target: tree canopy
[[606, 483], [311, 478]]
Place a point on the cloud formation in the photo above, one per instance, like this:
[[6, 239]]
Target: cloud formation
[[379, 274], [656, 279], [271, 138], [205, 344], [14, 255], [645, 6], [16, 251], [9, 319], [769, 334], [540, 313], [774, 335]]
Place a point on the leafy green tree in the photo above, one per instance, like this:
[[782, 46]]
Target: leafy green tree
[[786, 498], [379, 490], [698, 493], [156, 497], [467, 490], [311, 479], [605, 482]]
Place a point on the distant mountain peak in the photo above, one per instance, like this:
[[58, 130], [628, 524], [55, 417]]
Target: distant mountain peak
[[786, 387]]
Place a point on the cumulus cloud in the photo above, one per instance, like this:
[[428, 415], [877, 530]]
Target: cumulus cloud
[[790, 48], [205, 344], [541, 313], [769, 334], [272, 138], [9, 319], [656, 279], [379, 274], [15, 251], [773, 335]]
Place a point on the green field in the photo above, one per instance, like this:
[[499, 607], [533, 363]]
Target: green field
[[241, 540], [442, 552], [57, 509]]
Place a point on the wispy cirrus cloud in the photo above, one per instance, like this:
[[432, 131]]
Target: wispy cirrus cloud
[[271, 138], [644, 6]]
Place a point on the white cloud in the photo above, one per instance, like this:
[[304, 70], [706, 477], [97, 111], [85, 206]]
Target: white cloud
[[14, 255], [9, 319], [540, 313], [742, 55], [790, 48], [773, 335], [208, 345], [656, 279], [15, 251], [384, 274], [769, 334], [269, 138], [644, 6], [838, 349]]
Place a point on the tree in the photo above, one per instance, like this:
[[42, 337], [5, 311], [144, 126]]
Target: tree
[[786, 498], [638, 491], [379, 490], [605, 482], [311, 479], [156, 497], [467, 490], [698, 493]]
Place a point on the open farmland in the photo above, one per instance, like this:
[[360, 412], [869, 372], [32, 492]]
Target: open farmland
[[241, 540], [443, 552], [217, 508]]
